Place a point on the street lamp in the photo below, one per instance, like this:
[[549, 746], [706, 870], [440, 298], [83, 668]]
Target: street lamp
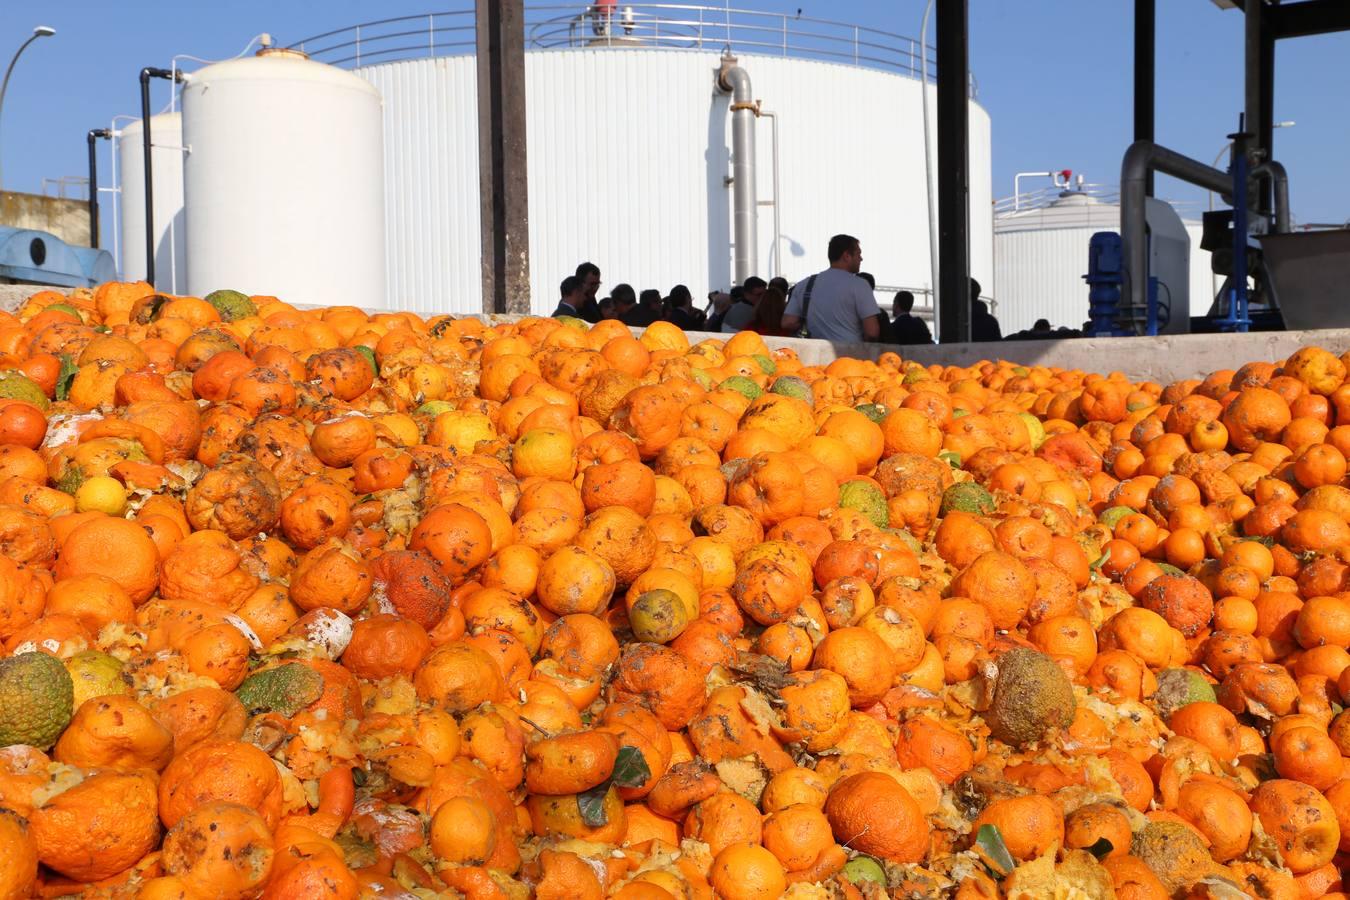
[[39, 32]]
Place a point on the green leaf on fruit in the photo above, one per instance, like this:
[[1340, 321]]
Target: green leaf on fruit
[[65, 376], [630, 768], [993, 851], [592, 805]]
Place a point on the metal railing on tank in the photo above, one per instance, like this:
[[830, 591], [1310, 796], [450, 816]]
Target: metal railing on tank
[[647, 26], [1039, 199]]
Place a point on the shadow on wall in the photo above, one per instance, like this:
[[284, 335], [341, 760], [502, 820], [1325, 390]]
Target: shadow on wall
[[718, 157], [170, 269]]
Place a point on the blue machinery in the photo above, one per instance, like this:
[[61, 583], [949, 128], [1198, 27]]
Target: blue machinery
[[1123, 294], [41, 258], [1237, 318]]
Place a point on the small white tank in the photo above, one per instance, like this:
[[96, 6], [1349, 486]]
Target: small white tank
[[284, 181], [166, 134]]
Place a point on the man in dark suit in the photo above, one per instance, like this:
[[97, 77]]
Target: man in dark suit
[[588, 273], [907, 328], [983, 325], [646, 312], [572, 296]]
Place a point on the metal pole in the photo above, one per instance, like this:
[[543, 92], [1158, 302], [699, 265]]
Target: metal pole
[[928, 166], [953, 122], [92, 137], [502, 175], [1237, 319], [777, 220], [1145, 27], [40, 31]]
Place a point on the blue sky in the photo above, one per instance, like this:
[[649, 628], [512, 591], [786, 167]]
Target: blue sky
[[1054, 75]]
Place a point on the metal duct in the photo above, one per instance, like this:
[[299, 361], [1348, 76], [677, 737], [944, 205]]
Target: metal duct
[[732, 79], [1142, 158], [1281, 179]]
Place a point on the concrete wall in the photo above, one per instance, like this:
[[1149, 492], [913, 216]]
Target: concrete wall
[[65, 218], [1162, 359]]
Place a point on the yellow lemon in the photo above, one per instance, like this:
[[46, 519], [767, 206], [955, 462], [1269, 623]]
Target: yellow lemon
[[101, 493]]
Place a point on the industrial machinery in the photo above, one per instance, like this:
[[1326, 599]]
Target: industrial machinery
[[1167, 303], [1275, 276], [37, 257]]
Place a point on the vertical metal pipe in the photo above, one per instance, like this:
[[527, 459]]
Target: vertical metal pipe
[[953, 122], [1145, 29], [93, 136], [744, 190]]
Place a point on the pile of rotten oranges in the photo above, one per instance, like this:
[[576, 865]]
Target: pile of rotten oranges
[[302, 604]]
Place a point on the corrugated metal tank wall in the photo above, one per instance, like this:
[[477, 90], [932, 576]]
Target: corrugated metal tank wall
[[628, 151]]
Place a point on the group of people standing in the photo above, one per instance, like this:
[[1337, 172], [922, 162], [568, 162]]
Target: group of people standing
[[578, 298], [837, 304]]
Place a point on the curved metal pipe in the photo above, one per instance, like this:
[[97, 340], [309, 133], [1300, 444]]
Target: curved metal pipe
[[1280, 178], [1142, 158], [735, 80], [146, 74], [93, 137]]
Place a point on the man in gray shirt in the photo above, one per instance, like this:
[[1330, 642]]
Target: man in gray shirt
[[841, 307]]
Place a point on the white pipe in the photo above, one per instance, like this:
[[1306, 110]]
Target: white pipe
[[777, 219], [113, 137], [1017, 184], [928, 168]]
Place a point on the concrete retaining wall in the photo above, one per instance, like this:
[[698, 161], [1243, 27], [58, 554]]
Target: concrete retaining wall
[[12, 296], [67, 219], [1161, 359]]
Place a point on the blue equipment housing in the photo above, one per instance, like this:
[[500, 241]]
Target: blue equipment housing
[[38, 257]]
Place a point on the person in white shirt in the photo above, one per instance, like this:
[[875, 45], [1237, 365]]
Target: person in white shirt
[[836, 304]]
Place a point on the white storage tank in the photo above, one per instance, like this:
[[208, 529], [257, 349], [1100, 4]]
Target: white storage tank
[[284, 181], [166, 156], [630, 148], [1041, 255], [629, 159]]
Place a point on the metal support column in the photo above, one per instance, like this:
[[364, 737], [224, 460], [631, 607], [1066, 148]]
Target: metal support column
[[1259, 93], [1145, 27], [953, 157], [1253, 21], [502, 177]]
